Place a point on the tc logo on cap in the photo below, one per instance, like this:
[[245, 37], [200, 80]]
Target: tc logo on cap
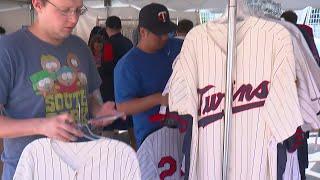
[[162, 16]]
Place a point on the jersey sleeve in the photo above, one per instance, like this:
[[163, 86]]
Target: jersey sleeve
[[176, 87], [308, 92], [183, 77], [25, 167], [126, 82], [183, 98], [281, 110]]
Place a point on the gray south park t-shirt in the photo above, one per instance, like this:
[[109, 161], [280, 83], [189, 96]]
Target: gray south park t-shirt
[[40, 80]]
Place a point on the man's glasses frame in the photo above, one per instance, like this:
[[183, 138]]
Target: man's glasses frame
[[70, 12]]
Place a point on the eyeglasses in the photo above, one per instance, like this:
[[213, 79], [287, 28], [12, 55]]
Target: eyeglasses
[[70, 12]]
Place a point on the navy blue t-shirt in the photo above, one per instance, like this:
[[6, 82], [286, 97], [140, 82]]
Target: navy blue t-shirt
[[38, 79], [139, 74]]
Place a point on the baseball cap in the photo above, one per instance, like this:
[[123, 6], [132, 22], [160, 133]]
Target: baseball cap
[[155, 17], [113, 22]]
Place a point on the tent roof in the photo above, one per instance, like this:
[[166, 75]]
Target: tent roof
[[298, 4], [6, 5], [219, 4], [172, 4], [203, 4]]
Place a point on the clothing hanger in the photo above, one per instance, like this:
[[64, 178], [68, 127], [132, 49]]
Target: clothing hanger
[[86, 128], [87, 133], [242, 13]]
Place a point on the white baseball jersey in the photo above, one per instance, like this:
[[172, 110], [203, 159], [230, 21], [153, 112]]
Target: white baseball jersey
[[308, 90], [265, 99], [160, 155], [94, 160], [308, 93]]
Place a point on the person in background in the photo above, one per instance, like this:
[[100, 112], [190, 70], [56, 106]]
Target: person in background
[[141, 75], [45, 79], [97, 30], [103, 53], [184, 26], [99, 34], [96, 45], [120, 46]]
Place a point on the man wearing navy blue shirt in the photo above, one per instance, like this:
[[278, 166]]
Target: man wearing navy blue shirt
[[120, 44], [141, 75]]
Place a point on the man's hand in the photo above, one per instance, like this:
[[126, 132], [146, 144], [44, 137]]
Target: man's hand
[[106, 115], [60, 127]]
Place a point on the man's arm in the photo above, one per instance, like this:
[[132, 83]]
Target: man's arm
[[139, 105], [57, 127], [99, 109], [95, 102], [17, 128]]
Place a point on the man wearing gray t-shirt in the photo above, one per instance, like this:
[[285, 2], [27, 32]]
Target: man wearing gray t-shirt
[[46, 74]]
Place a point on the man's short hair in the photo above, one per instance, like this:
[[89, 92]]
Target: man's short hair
[[2, 30], [184, 26], [290, 16], [113, 22]]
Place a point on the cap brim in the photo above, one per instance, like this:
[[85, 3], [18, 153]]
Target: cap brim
[[170, 27]]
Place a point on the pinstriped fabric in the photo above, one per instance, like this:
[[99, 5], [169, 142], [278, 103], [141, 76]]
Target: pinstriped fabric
[[308, 93], [265, 103], [101, 159], [161, 147], [308, 89], [186, 99]]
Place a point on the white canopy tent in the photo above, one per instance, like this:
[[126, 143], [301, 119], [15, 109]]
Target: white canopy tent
[[129, 16], [15, 13], [217, 5], [298, 4]]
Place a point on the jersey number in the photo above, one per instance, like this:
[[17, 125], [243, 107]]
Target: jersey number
[[172, 166]]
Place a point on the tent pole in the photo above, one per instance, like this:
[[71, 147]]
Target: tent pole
[[31, 14], [107, 4], [232, 13], [197, 11]]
